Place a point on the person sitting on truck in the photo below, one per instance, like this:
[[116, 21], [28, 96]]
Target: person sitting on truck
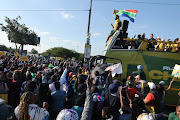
[[160, 46], [137, 43], [174, 46], [116, 26], [139, 37], [168, 45], [143, 36], [178, 48]]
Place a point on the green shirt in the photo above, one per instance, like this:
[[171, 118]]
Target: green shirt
[[173, 116], [33, 75]]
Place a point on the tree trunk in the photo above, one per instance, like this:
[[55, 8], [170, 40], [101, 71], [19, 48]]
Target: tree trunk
[[16, 47], [22, 48]]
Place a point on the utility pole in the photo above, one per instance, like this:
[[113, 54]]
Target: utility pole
[[89, 21], [87, 50]]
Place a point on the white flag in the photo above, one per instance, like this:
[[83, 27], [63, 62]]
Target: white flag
[[117, 68]]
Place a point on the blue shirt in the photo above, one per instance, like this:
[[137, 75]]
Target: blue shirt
[[79, 110], [58, 100]]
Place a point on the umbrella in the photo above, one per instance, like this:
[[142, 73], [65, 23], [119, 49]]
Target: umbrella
[[100, 69]]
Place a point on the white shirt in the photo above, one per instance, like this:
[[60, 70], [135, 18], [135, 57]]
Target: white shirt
[[52, 87], [34, 112]]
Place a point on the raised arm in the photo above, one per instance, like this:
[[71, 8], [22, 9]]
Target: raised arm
[[88, 107], [121, 101], [170, 85]]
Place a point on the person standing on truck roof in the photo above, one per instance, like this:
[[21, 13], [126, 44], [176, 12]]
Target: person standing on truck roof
[[175, 45], [116, 26], [151, 44]]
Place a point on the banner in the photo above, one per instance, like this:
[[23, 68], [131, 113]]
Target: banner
[[16, 54], [176, 71], [2, 53], [58, 58], [73, 59], [117, 68], [25, 58], [87, 51]]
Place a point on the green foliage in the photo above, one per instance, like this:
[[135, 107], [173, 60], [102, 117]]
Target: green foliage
[[33, 51], [62, 52], [3, 48], [18, 33]]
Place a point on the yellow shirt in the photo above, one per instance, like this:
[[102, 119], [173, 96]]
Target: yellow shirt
[[174, 46], [168, 45], [116, 23], [160, 47]]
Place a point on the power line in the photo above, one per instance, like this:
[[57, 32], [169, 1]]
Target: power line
[[41, 10], [138, 2]]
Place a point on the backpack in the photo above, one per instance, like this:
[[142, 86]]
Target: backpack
[[156, 102], [99, 102]]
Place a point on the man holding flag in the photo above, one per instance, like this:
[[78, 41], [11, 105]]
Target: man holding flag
[[131, 14], [116, 26]]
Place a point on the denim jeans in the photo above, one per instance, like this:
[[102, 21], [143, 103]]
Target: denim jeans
[[124, 117]]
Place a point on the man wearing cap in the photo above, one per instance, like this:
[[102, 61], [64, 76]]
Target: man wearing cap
[[131, 90], [139, 82], [141, 72], [162, 91], [151, 101]]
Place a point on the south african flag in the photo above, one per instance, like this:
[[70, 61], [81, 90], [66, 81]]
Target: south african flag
[[131, 14]]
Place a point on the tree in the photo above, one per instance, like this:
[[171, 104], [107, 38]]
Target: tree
[[33, 51], [19, 33], [61, 52], [3, 48]]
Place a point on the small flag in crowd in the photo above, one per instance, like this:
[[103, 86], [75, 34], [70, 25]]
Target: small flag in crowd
[[117, 68], [176, 71], [131, 14]]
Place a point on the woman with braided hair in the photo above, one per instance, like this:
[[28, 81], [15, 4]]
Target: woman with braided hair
[[27, 110]]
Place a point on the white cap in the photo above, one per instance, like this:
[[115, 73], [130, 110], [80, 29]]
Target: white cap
[[139, 67], [68, 114], [145, 116], [38, 66], [151, 85], [162, 83]]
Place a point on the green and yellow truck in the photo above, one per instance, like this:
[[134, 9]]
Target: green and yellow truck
[[157, 65]]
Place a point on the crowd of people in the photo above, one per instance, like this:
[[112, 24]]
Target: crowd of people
[[65, 90], [159, 44]]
